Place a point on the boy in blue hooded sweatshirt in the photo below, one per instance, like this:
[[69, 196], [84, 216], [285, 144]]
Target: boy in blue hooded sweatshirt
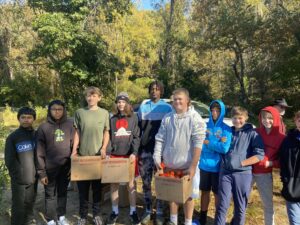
[[246, 149], [217, 142]]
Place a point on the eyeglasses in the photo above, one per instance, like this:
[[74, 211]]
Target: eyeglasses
[[57, 109]]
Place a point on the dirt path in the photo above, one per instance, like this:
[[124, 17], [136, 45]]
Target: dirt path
[[254, 211]]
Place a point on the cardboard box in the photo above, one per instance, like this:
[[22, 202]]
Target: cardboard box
[[173, 189], [116, 170], [85, 168]]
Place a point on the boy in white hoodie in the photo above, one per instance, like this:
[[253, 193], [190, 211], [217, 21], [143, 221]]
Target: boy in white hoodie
[[178, 144]]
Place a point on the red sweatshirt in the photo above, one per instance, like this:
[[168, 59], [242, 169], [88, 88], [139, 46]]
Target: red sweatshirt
[[272, 142]]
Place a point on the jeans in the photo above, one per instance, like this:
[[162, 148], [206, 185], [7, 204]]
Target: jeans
[[264, 183], [293, 211]]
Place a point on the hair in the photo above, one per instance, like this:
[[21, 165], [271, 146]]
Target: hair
[[182, 91], [56, 102], [128, 110], [215, 105], [26, 111], [239, 111], [92, 90], [297, 115], [159, 85], [264, 113]]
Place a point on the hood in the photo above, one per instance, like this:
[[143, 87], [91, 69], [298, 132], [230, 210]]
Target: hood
[[276, 121], [50, 119], [247, 126], [222, 114]]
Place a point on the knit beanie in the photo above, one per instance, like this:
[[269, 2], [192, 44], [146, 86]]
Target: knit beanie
[[122, 96]]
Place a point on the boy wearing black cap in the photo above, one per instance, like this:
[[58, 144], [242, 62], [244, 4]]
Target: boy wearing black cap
[[280, 104], [19, 159], [54, 145]]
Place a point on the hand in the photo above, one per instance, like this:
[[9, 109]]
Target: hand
[[44, 181], [268, 164], [103, 153], [206, 142], [74, 154], [191, 172], [132, 158]]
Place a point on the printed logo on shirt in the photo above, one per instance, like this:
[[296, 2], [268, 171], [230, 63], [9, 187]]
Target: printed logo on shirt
[[59, 135], [122, 125], [24, 146]]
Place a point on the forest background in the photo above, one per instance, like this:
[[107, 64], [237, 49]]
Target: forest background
[[245, 52]]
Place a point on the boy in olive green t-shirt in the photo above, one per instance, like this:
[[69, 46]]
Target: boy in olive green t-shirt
[[92, 137]]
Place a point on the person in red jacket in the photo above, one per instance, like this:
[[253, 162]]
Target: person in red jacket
[[270, 131]]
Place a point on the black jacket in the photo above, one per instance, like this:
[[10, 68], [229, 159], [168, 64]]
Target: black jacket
[[19, 156], [124, 135], [54, 144], [290, 166]]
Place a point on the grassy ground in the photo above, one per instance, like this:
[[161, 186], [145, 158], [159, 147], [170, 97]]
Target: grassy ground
[[254, 214]]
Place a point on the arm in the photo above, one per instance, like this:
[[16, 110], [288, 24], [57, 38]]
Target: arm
[[257, 148], [10, 156], [135, 144], [250, 161], [159, 143], [222, 144], [41, 154], [75, 143], [105, 137]]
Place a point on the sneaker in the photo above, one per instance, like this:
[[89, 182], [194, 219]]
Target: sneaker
[[146, 217], [63, 221], [170, 223], [159, 219], [81, 221], [98, 220], [112, 219], [51, 222], [134, 219]]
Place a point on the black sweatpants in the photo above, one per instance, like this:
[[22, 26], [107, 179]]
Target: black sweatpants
[[56, 192], [23, 199]]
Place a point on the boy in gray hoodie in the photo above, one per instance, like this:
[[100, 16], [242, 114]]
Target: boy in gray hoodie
[[178, 144]]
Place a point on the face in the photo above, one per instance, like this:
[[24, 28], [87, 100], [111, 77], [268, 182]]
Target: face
[[180, 102], [57, 111], [281, 109], [155, 92], [215, 113], [239, 121], [297, 123], [267, 120], [26, 121], [121, 105], [92, 99]]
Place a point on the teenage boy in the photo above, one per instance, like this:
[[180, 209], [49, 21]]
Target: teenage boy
[[150, 115], [246, 149], [19, 159], [178, 144], [269, 130], [92, 137], [290, 171], [216, 143], [54, 146], [281, 105]]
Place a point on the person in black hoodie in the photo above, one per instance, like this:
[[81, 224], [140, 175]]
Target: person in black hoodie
[[290, 171], [125, 142], [54, 145], [19, 159]]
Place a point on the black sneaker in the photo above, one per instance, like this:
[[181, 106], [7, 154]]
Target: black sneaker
[[112, 219], [134, 219]]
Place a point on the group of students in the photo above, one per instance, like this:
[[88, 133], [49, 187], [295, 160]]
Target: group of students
[[228, 159]]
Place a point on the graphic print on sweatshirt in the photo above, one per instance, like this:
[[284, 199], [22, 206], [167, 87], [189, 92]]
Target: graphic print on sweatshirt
[[24, 146], [59, 135], [122, 125]]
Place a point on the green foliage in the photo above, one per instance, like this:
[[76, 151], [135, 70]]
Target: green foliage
[[4, 180]]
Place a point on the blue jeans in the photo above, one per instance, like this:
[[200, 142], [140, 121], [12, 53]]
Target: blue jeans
[[293, 211]]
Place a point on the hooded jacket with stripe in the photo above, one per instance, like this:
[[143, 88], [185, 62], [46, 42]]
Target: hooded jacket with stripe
[[20, 156], [218, 138], [272, 142], [54, 143]]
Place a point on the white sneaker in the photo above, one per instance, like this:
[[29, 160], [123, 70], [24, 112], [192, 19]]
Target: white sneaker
[[63, 221], [51, 222]]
